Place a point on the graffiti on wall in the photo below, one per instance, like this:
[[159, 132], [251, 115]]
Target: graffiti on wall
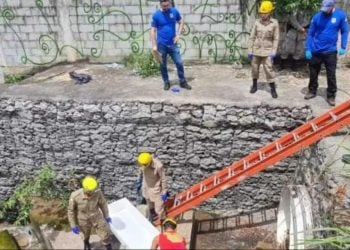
[[220, 46]]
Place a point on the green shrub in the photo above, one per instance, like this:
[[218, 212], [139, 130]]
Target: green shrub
[[143, 64], [12, 79], [19, 205]]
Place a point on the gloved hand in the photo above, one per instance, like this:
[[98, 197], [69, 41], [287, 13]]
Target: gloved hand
[[108, 220], [250, 57], [308, 54], [272, 56], [76, 230], [164, 197], [341, 52]]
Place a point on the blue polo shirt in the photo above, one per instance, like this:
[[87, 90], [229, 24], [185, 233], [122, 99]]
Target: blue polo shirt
[[323, 33], [165, 23]]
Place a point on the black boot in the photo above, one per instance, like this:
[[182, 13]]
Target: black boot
[[282, 64], [254, 87], [273, 90], [295, 65], [152, 215], [108, 247], [87, 245]]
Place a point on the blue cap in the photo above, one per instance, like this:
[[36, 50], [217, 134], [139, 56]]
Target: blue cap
[[326, 4]]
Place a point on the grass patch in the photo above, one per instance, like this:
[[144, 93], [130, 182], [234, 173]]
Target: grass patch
[[143, 64]]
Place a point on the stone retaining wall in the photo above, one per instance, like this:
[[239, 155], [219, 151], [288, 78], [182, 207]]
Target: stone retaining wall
[[104, 138]]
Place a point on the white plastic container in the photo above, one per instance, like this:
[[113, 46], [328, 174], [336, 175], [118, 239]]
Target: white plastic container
[[130, 227]]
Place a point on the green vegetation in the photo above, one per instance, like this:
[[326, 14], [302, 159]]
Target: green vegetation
[[12, 79], [338, 236], [43, 187], [290, 6], [339, 239], [144, 64]]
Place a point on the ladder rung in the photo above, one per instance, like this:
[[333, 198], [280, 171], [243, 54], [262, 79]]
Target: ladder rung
[[245, 164], [334, 117], [261, 155], [296, 137], [201, 188], [314, 127], [278, 146], [216, 180], [177, 202], [231, 173]]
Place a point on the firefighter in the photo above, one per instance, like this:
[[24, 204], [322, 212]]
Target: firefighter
[[170, 239], [154, 190], [88, 209], [294, 41], [263, 45]]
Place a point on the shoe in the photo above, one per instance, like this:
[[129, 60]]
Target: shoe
[[331, 101], [185, 86], [295, 65], [254, 87], [87, 245], [273, 90], [166, 86], [282, 65], [309, 95]]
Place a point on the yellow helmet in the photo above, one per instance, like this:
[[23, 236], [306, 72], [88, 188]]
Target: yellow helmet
[[89, 183], [266, 7], [173, 221], [144, 159]]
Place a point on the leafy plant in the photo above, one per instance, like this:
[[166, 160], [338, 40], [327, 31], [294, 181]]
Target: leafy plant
[[144, 64], [339, 239], [338, 236], [14, 78], [21, 202], [283, 7]]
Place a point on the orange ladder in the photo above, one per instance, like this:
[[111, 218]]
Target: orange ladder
[[285, 146]]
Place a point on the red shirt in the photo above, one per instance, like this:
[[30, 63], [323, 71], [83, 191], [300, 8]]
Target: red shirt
[[171, 241]]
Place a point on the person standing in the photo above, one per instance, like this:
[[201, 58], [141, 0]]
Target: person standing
[[294, 41], [321, 47], [88, 209], [164, 38], [263, 45], [170, 239], [154, 189]]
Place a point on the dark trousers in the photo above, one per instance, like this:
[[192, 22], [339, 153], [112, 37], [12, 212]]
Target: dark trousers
[[174, 53], [330, 62]]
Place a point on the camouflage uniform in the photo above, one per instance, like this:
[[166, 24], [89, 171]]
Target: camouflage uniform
[[294, 41], [154, 185], [86, 213], [262, 43]]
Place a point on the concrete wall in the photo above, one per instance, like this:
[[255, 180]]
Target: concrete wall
[[104, 139], [42, 32]]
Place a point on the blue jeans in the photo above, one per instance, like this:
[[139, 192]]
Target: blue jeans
[[174, 53]]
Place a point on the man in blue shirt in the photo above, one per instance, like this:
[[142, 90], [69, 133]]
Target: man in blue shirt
[[321, 47], [164, 38]]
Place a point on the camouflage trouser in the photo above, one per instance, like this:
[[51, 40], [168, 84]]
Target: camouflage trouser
[[266, 62], [294, 45], [102, 230]]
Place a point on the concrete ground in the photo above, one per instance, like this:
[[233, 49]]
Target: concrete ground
[[211, 83]]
